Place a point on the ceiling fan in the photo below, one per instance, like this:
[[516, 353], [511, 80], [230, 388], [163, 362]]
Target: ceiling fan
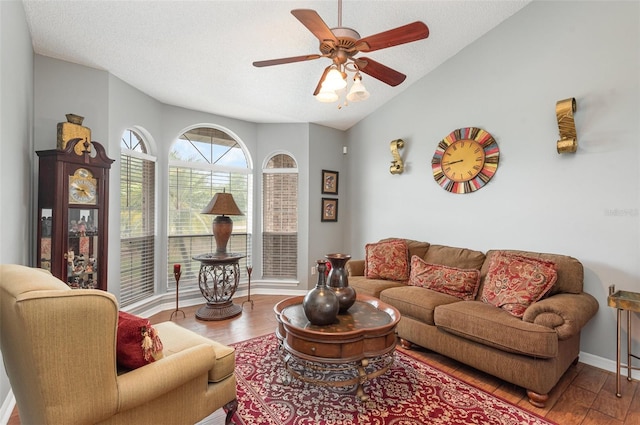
[[342, 44]]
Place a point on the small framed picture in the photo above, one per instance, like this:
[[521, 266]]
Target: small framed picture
[[329, 209], [329, 182]]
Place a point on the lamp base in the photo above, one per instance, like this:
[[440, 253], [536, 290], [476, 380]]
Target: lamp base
[[222, 228]]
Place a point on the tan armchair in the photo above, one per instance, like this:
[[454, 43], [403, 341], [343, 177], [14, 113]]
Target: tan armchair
[[59, 352]]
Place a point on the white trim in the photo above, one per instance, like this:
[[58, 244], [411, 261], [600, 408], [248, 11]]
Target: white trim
[[6, 410], [268, 157], [608, 365], [280, 171], [208, 167], [235, 137], [139, 155]]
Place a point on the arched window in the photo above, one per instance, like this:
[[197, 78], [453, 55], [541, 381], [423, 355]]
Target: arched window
[[202, 162], [137, 219], [280, 218]]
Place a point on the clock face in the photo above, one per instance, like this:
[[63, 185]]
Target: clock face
[[465, 160], [82, 188]]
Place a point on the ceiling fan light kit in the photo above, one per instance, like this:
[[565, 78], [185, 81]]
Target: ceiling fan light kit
[[358, 92], [341, 44], [335, 80], [327, 96]]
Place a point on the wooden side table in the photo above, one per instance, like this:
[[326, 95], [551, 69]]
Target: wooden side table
[[218, 280], [627, 301]]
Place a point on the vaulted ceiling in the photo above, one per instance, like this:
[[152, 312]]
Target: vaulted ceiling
[[199, 54]]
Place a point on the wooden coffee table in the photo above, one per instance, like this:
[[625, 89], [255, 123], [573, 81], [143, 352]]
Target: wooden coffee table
[[357, 348]]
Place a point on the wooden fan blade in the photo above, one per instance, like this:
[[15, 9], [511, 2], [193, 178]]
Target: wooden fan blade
[[314, 23], [324, 74], [401, 35], [281, 61], [380, 71]]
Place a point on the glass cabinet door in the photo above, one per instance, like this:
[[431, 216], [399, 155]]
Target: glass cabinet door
[[46, 222], [82, 248]]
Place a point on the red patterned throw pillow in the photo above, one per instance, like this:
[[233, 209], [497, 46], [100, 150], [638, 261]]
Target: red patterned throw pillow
[[387, 260], [461, 283], [138, 342], [514, 282]]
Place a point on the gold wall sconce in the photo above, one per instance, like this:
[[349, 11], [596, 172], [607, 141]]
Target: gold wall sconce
[[568, 142], [397, 166]]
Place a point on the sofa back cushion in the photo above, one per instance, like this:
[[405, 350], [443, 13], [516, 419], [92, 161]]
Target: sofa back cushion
[[461, 258], [570, 273], [460, 283], [387, 259], [514, 282], [415, 247]]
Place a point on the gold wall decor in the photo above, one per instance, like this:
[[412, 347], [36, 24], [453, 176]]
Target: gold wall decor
[[397, 166], [568, 142], [73, 129]]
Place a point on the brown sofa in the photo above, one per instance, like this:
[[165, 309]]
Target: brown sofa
[[532, 352]]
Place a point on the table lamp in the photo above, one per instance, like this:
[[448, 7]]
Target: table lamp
[[223, 205]]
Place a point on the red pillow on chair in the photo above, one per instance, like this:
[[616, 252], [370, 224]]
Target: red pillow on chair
[[138, 342]]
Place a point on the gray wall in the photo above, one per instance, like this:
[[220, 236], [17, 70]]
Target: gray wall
[[325, 146], [120, 106], [16, 142], [584, 204]]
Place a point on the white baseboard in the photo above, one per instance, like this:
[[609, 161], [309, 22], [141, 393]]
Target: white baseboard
[[606, 364], [7, 408]]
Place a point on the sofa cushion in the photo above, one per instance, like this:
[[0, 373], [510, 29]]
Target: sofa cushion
[[461, 283], [137, 341], [418, 248], [461, 258], [497, 328], [387, 260], [569, 270], [514, 282], [418, 303], [372, 287], [176, 339]]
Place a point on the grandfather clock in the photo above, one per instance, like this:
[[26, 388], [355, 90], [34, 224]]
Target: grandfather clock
[[73, 212]]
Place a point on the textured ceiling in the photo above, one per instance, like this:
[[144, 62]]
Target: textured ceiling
[[199, 54]]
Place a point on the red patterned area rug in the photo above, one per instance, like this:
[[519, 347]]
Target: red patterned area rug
[[411, 392]]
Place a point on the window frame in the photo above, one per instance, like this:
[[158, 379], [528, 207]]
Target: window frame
[[280, 271], [202, 243], [143, 245]]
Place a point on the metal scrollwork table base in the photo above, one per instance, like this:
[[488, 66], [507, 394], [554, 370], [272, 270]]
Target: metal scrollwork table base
[[218, 280]]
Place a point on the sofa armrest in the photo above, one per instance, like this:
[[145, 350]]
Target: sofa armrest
[[355, 267], [147, 383], [566, 313]]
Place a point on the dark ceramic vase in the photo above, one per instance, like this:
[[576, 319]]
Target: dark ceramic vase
[[321, 304], [338, 281]]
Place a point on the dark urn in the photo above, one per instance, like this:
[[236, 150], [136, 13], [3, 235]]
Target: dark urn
[[321, 304], [338, 281]]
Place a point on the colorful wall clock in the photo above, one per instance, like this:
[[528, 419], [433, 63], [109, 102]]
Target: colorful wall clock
[[465, 160]]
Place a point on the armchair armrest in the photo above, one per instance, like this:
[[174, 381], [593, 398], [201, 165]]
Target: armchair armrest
[[144, 384], [566, 313], [355, 267]]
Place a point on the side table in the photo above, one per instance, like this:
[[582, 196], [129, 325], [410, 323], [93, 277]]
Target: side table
[[627, 301], [358, 347], [218, 280]]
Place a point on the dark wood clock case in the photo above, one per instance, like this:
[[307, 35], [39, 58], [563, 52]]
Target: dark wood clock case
[[72, 231]]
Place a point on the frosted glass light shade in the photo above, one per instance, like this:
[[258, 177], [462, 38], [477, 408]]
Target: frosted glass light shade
[[358, 92], [326, 95], [334, 80]]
